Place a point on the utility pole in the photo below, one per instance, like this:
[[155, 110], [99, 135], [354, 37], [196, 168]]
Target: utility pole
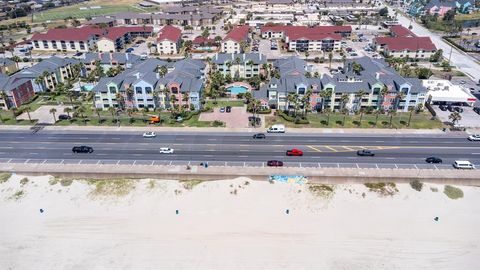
[[450, 56]]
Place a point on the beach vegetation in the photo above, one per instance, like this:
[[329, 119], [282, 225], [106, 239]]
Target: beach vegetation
[[453, 192], [18, 195], [111, 187], [384, 189], [4, 177], [53, 181], [151, 184], [24, 181], [190, 184], [417, 185], [66, 182], [322, 190], [434, 189]]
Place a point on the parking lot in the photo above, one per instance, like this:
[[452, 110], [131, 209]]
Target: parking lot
[[469, 117], [237, 118]]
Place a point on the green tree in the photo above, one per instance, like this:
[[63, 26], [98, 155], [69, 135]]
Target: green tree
[[68, 110], [330, 58], [455, 117], [53, 111], [410, 110], [27, 109]]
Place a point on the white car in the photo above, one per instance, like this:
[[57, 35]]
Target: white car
[[166, 150], [475, 137], [149, 134]]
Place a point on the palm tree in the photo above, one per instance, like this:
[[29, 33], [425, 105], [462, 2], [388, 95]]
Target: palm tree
[[112, 110], [292, 98], [40, 80], [185, 97], [70, 95], [14, 114], [326, 94], [398, 98], [27, 110], [68, 110], [162, 71], [359, 96], [265, 68], [98, 110], [344, 112], [384, 93], [362, 111], [455, 117], [250, 63], [410, 109], [330, 57], [120, 100], [53, 111], [377, 113], [306, 102], [130, 93], [392, 113], [344, 100], [4, 96], [81, 110]]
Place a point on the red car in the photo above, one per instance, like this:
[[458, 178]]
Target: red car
[[294, 152], [274, 163]]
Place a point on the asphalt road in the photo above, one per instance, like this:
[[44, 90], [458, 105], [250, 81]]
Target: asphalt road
[[236, 147]]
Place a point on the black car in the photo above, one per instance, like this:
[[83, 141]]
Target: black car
[[274, 163], [64, 117], [433, 160], [259, 136], [365, 153], [477, 110], [228, 109], [450, 108], [82, 149], [458, 109], [442, 107]]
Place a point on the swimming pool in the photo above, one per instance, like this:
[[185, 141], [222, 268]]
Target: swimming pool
[[236, 89]]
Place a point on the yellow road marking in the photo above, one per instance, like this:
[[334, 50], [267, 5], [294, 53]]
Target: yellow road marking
[[348, 148], [316, 149], [331, 148]]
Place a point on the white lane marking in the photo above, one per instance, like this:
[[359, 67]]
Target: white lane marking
[[101, 154], [379, 141], [390, 158], [475, 153], [243, 156], [207, 156], [33, 153]]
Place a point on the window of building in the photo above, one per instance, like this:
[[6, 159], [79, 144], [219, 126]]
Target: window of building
[[138, 90], [72, 44], [112, 89], [45, 44], [148, 90]]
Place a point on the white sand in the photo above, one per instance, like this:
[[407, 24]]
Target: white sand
[[250, 230]]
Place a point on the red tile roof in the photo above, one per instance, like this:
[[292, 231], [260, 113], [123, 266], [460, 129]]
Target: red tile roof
[[238, 34], [400, 31], [69, 34], [86, 33], [169, 33], [113, 33], [406, 43], [201, 40], [326, 29]]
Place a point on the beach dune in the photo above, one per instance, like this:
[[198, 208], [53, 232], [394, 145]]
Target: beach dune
[[233, 224]]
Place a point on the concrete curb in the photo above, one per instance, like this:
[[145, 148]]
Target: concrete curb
[[324, 175]]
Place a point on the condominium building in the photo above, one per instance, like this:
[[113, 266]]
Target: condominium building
[[243, 65], [232, 42], [168, 41]]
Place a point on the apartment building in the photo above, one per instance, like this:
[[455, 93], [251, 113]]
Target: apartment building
[[17, 91], [232, 42], [85, 39], [326, 92], [143, 86], [108, 61], [411, 47], [242, 65], [47, 74], [168, 41]]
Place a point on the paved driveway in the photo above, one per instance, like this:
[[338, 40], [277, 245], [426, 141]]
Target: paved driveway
[[238, 118], [43, 114]]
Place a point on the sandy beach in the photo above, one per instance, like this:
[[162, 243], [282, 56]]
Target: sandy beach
[[233, 224]]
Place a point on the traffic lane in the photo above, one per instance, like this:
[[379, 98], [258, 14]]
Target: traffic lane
[[386, 141]]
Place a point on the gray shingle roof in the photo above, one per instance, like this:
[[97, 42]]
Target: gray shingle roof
[[257, 58]]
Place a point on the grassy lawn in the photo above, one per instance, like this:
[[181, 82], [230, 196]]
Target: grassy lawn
[[225, 103], [83, 10], [400, 120]]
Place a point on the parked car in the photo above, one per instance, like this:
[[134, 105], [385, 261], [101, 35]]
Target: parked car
[[129, 50], [477, 110], [64, 117], [458, 109], [228, 109], [294, 152], [222, 110], [78, 54], [274, 163], [450, 108], [166, 150], [474, 137], [149, 134], [365, 152], [82, 149], [259, 136], [442, 107], [433, 160]]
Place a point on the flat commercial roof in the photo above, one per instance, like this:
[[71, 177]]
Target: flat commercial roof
[[443, 90]]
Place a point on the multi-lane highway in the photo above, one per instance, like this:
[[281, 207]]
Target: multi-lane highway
[[120, 147]]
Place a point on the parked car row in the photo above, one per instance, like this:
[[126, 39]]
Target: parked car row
[[450, 108]]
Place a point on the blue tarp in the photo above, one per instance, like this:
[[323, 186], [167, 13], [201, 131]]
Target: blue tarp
[[297, 179]]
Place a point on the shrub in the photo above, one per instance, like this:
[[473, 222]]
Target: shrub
[[286, 117], [302, 121], [382, 188], [66, 182], [217, 123], [24, 181], [417, 185], [266, 111], [4, 177], [453, 192]]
